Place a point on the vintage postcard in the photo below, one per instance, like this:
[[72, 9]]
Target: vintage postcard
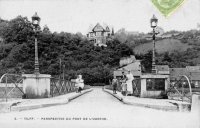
[[100, 63]]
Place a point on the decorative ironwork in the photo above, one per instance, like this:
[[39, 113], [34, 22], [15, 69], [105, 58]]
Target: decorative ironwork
[[136, 86], [60, 87], [10, 86], [180, 89]]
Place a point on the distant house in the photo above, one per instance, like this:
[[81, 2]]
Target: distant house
[[132, 65], [162, 69], [126, 60], [176, 72], [192, 72], [193, 68], [98, 35]]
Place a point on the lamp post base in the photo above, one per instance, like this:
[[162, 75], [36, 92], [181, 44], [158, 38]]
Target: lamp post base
[[153, 70], [152, 93], [36, 85]]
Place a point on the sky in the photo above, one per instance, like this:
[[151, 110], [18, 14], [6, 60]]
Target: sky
[[78, 15]]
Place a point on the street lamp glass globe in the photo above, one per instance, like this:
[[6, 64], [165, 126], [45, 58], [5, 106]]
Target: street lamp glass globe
[[153, 21], [35, 20]]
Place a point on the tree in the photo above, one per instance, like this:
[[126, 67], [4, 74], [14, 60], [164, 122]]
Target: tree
[[18, 30]]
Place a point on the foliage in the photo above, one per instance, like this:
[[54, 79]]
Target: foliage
[[74, 50], [96, 64]]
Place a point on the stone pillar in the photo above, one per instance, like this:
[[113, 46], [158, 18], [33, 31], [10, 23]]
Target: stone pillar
[[143, 87], [167, 80], [36, 86], [195, 110]]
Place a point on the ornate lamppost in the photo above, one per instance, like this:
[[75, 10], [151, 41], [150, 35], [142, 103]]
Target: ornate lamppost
[[153, 22], [36, 85], [36, 26]]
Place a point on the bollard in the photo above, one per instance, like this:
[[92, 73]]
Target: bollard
[[195, 109]]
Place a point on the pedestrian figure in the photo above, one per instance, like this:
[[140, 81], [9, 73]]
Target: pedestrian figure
[[123, 83], [114, 84], [129, 82], [79, 83]]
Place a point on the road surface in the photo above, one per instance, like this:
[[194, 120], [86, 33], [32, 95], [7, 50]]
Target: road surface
[[95, 109]]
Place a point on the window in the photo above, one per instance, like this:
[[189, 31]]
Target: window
[[91, 34], [155, 84], [98, 33]]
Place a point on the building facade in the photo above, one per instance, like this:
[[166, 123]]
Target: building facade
[[126, 60], [99, 35], [129, 64], [193, 73], [162, 69]]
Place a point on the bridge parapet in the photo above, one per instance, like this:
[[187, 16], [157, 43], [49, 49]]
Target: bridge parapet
[[60, 86], [11, 86], [15, 86]]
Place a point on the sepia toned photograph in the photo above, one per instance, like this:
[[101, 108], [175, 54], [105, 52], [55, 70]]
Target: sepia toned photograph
[[100, 63]]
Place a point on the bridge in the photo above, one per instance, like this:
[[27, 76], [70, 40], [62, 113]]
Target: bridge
[[96, 109], [93, 107]]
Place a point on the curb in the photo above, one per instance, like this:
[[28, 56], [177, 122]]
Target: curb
[[165, 108], [80, 94], [116, 96], [23, 108], [5, 107], [157, 107]]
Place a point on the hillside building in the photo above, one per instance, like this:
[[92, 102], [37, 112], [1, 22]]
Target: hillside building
[[129, 64], [162, 69], [99, 35], [193, 72]]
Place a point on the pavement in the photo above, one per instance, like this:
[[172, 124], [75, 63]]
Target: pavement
[[28, 104], [159, 104]]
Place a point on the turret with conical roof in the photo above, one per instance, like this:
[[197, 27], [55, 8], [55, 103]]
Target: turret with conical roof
[[107, 29], [112, 33]]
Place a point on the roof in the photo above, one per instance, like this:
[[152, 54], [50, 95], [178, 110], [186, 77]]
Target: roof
[[162, 69], [98, 28], [127, 60], [193, 68], [193, 75], [175, 72], [134, 67]]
